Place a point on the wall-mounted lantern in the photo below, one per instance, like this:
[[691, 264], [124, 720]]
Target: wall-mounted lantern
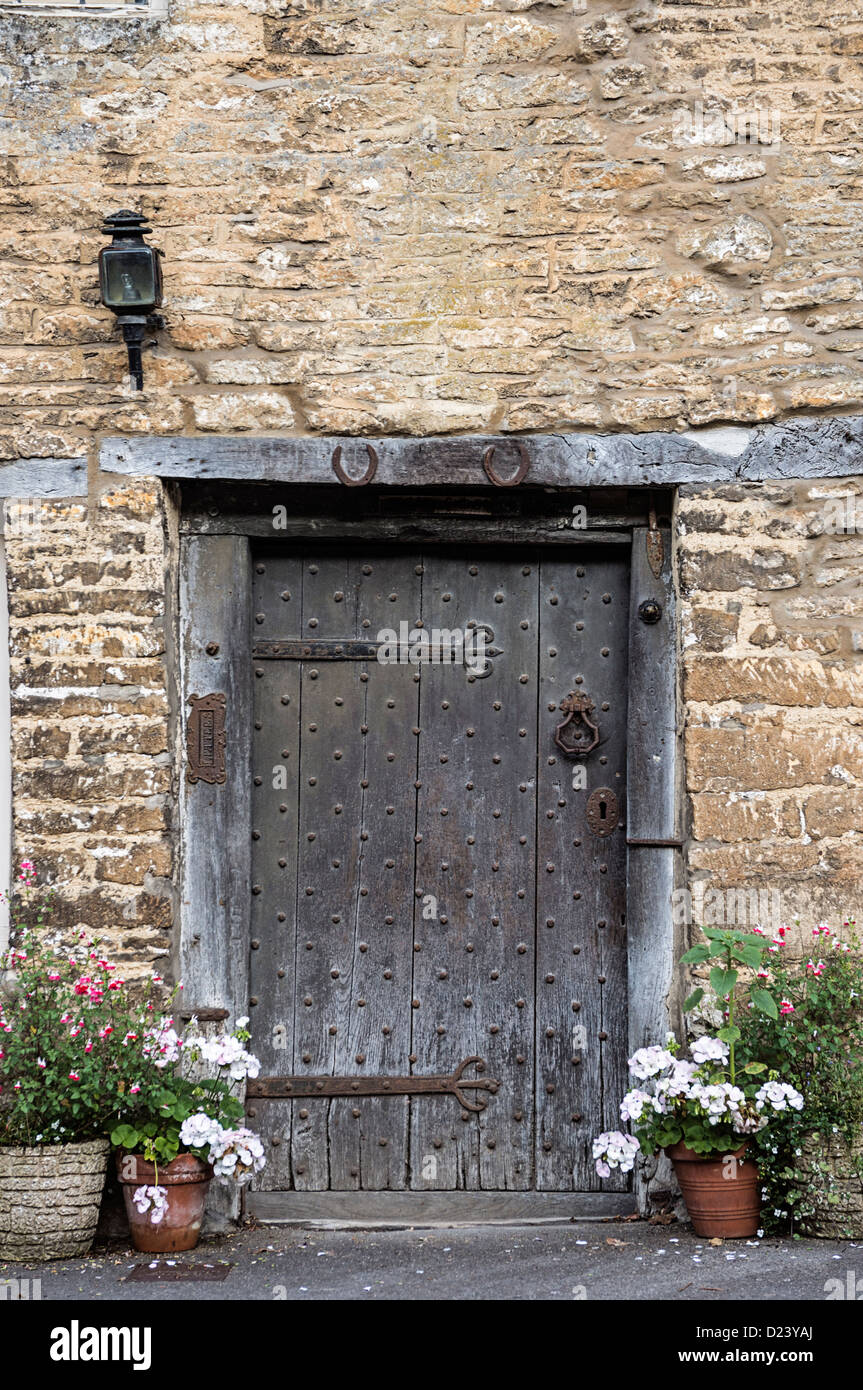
[[130, 282]]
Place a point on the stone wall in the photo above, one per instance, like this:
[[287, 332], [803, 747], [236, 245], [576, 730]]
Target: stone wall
[[386, 217], [390, 218], [772, 636], [92, 779]]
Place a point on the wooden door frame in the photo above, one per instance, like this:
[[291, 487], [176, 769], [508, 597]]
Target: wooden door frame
[[214, 635]]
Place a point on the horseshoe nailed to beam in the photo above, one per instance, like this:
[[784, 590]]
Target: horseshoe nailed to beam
[[517, 477], [342, 476]]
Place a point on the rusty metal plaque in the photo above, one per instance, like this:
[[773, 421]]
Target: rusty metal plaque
[[205, 738], [602, 811], [175, 1273]]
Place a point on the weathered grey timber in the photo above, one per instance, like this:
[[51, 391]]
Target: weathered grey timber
[[653, 769], [431, 893], [806, 446], [44, 478], [216, 861], [423, 1208]]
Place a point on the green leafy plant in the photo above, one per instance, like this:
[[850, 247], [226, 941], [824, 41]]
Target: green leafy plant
[[157, 1106], [733, 949], [58, 1020], [82, 1056], [724, 1093], [815, 1043]]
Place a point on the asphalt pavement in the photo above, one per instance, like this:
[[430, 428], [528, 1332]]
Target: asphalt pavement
[[606, 1260]]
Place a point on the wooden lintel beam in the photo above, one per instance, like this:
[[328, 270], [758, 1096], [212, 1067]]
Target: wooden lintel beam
[[798, 448]]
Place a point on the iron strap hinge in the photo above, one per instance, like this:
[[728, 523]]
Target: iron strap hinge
[[472, 649], [289, 650], [328, 1087]]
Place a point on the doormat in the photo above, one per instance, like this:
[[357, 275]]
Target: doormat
[[173, 1273]]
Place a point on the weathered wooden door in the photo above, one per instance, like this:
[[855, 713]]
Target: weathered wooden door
[[433, 880]]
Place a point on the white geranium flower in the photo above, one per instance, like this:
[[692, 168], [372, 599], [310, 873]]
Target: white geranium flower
[[709, 1050], [152, 1199], [197, 1131], [777, 1095], [614, 1150], [633, 1103], [238, 1154], [649, 1061]]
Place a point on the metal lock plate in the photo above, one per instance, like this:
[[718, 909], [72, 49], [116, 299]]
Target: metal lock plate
[[602, 811]]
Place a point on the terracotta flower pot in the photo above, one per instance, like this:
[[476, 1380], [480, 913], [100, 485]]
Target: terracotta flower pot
[[186, 1180], [721, 1192], [49, 1199]]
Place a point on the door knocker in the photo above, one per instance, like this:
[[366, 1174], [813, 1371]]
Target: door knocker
[[583, 733]]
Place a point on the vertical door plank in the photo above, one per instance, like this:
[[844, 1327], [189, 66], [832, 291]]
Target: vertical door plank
[[216, 861], [276, 598], [654, 770], [328, 873], [473, 974], [382, 947], [581, 986]]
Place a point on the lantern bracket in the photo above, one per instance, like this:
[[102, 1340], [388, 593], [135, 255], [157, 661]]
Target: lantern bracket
[[130, 282]]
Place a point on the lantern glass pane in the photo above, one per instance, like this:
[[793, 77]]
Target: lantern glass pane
[[128, 279]]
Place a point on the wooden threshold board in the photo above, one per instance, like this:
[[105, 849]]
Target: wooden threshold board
[[435, 1208]]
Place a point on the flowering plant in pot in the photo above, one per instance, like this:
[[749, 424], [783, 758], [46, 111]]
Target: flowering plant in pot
[[56, 1091], [180, 1126], [703, 1110], [812, 1169], [81, 1059]]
